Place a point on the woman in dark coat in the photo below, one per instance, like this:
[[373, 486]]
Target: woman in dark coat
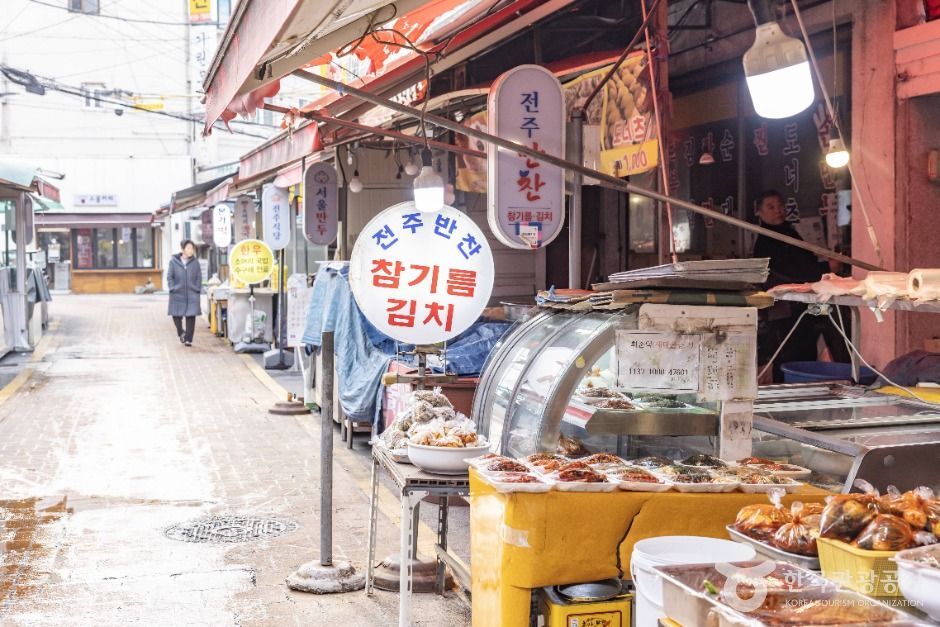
[[184, 281]]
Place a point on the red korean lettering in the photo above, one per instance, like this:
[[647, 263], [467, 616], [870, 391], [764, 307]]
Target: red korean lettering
[[434, 314], [405, 319], [461, 282], [386, 273], [424, 271]]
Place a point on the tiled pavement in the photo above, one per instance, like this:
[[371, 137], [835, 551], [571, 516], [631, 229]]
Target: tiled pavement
[[122, 432]]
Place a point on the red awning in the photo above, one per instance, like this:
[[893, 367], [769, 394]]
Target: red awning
[[220, 192], [278, 152], [233, 86]]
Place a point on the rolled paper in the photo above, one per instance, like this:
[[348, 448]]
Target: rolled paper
[[924, 283], [885, 284]]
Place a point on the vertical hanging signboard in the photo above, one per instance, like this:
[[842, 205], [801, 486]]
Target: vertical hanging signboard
[[222, 225], [275, 217], [244, 219], [321, 204], [526, 207]]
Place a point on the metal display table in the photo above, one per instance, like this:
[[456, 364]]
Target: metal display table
[[414, 485]]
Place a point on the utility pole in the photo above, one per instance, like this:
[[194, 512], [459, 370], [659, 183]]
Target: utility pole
[[190, 92]]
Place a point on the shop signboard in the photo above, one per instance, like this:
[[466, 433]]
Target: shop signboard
[[275, 216], [251, 261], [298, 299], [421, 278], [321, 204], [526, 198], [244, 218], [222, 225]]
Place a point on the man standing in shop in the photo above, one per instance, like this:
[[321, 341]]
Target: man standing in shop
[[789, 264]]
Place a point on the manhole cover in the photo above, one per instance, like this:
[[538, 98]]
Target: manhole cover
[[230, 529]]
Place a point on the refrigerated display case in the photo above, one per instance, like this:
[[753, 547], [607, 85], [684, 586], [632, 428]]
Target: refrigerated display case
[[527, 401]]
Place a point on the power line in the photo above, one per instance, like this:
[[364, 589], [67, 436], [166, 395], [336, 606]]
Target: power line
[[112, 17], [78, 92], [48, 26]]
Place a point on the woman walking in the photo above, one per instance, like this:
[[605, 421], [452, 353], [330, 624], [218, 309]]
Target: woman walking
[[184, 280]]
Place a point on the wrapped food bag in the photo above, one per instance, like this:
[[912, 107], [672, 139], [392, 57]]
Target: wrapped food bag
[[799, 535], [762, 520], [885, 533], [913, 506], [846, 515], [435, 397]]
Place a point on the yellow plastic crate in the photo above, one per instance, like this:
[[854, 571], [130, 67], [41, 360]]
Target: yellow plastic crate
[[869, 572]]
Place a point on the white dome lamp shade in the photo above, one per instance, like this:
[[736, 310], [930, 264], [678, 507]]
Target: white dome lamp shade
[[429, 186], [355, 183], [412, 167], [838, 155], [776, 67]]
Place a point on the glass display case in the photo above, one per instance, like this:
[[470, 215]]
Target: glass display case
[[528, 401], [530, 398]]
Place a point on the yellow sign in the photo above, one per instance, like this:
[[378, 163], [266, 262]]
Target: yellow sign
[[200, 10], [630, 159], [251, 261]]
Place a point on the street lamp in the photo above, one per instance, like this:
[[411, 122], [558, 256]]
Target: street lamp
[[776, 67]]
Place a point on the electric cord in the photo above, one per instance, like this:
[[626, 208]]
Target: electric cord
[[882, 375], [770, 362]]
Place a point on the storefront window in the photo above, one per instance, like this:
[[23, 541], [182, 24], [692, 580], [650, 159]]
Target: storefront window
[[123, 247], [104, 248], [144, 247], [84, 251]]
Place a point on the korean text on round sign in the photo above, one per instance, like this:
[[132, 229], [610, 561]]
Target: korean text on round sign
[[421, 278], [251, 261]]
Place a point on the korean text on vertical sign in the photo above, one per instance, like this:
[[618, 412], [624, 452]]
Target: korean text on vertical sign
[[222, 225], [526, 196], [421, 278], [321, 206], [244, 218], [275, 216], [250, 261]]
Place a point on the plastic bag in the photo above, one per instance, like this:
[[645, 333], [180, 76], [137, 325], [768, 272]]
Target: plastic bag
[[433, 397], [422, 411], [427, 433], [799, 535], [846, 515], [886, 533], [913, 506], [762, 520]]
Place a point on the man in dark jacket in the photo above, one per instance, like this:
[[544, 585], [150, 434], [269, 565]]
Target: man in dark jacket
[[184, 282], [789, 264]]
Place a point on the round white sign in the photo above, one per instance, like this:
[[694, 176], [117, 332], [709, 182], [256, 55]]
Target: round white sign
[[421, 278]]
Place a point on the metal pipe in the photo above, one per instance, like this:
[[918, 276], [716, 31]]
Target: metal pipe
[[574, 207], [328, 119], [326, 451], [606, 179]]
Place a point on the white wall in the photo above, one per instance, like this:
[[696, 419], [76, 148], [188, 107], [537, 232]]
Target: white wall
[[141, 157]]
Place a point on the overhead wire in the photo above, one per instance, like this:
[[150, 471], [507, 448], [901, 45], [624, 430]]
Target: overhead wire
[[129, 20], [48, 26]]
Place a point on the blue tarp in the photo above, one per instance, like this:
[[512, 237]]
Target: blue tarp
[[359, 363]]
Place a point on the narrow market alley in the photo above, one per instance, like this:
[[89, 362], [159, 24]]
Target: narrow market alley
[[117, 434]]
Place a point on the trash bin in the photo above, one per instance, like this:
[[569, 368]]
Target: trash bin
[[813, 371]]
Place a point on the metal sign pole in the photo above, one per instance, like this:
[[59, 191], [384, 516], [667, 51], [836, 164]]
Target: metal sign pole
[[323, 576]]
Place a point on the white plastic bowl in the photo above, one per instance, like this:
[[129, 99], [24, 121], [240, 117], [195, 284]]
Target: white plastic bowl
[[920, 583], [444, 460]]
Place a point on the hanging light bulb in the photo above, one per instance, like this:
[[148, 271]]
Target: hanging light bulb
[[355, 183], [450, 196], [412, 167], [837, 156], [429, 186], [776, 67], [349, 157]]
